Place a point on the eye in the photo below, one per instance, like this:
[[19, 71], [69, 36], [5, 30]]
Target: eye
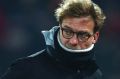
[[67, 32], [86, 35], [83, 35]]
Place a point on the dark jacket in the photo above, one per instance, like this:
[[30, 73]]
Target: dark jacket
[[54, 63]]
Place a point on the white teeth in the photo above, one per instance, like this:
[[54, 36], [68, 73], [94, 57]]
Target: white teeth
[[73, 50]]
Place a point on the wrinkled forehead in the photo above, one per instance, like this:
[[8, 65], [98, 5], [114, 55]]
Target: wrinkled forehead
[[77, 24], [78, 20]]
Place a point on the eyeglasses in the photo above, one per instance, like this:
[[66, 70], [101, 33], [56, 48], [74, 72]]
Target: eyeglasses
[[82, 36]]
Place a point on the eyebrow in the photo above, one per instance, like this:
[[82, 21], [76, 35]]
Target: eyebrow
[[67, 27]]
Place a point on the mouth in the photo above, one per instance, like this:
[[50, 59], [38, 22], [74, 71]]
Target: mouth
[[73, 48]]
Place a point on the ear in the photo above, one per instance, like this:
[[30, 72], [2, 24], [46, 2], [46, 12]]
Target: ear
[[96, 36]]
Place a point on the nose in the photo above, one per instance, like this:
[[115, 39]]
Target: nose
[[74, 40]]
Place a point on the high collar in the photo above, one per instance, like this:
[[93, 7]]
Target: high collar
[[72, 61], [57, 52]]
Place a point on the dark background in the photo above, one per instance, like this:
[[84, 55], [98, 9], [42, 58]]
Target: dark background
[[21, 22]]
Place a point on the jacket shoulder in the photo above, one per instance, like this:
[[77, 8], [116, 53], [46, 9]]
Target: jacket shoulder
[[28, 60], [23, 66]]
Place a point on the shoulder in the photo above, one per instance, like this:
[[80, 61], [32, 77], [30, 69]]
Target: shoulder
[[31, 58], [29, 61], [23, 67]]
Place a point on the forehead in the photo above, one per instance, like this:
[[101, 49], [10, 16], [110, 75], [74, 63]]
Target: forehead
[[78, 24]]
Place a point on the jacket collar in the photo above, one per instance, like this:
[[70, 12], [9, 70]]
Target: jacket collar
[[49, 36]]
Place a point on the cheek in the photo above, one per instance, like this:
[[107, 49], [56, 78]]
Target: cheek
[[64, 41], [89, 42]]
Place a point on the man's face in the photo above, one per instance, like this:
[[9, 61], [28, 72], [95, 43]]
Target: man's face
[[77, 33]]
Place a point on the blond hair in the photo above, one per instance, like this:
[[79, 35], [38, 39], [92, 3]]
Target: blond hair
[[78, 8]]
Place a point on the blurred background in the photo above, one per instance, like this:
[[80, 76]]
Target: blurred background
[[21, 22]]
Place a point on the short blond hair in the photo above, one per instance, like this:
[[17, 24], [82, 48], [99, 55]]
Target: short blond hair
[[78, 8]]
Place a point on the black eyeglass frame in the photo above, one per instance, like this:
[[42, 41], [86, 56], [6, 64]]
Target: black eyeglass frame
[[80, 37]]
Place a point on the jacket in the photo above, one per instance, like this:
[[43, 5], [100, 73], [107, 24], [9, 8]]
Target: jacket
[[53, 62]]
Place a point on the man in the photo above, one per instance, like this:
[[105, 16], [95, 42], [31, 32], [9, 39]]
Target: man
[[69, 52]]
